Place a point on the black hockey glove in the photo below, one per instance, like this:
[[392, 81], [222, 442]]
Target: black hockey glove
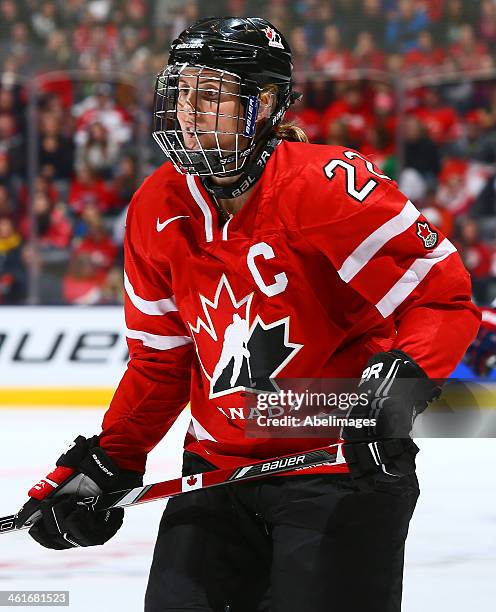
[[398, 390], [83, 470]]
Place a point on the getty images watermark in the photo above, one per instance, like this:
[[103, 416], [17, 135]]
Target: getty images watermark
[[320, 408], [285, 408]]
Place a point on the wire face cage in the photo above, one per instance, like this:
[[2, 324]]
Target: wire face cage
[[202, 121]]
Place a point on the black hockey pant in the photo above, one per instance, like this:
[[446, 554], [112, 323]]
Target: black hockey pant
[[284, 544]]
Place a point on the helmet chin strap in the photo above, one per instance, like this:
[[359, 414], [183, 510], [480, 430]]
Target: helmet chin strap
[[250, 174]]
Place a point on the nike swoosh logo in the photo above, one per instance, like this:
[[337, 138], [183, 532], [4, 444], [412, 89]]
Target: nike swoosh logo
[[161, 225]]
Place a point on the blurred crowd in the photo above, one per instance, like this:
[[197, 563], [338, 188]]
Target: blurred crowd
[[410, 83], [329, 36]]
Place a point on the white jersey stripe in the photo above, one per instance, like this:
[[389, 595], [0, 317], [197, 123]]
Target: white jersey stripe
[[224, 229], [162, 343], [412, 277], [373, 243], [200, 200], [149, 307]]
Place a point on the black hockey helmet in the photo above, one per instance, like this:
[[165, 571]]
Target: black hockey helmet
[[248, 53]]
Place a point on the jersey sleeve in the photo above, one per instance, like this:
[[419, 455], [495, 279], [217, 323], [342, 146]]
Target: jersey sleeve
[[386, 250], [156, 385]]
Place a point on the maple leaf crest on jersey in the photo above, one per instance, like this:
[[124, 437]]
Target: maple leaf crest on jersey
[[238, 352]]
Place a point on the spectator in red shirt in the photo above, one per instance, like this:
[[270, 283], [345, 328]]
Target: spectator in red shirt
[[469, 53], [338, 135], [440, 119], [96, 40], [366, 55], [309, 120], [96, 243], [90, 277], [452, 193], [460, 183], [379, 149], [426, 57], [60, 87], [476, 256], [468, 144], [86, 189], [53, 228], [83, 283], [435, 9], [102, 107], [332, 59], [352, 110], [42, 185], [385, 115]]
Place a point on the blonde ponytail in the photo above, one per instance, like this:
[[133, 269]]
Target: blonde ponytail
[[290, 131]]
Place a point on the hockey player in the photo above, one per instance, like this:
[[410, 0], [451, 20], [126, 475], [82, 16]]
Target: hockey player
[[253, 255]]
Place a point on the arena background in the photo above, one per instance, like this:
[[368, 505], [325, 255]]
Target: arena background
[[410, 83]]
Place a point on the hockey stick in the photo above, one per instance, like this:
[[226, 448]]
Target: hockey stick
[[170, 488]]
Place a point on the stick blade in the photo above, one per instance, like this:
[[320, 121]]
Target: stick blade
[[7, 523]]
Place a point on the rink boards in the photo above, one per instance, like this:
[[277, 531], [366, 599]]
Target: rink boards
[[61, 356]]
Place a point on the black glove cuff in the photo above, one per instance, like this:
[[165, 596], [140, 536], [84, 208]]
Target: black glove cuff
[[366, 458]]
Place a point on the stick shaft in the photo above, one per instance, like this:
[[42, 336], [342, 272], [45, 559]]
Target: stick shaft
[[179, 486]]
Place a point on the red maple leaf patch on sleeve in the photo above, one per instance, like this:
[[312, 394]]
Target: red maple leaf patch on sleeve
[[428, 236]]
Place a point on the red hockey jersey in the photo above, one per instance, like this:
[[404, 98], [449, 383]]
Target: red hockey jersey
[[326, 264]]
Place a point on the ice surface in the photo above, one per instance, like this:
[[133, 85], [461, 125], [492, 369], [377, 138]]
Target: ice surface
[[451, 550]]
